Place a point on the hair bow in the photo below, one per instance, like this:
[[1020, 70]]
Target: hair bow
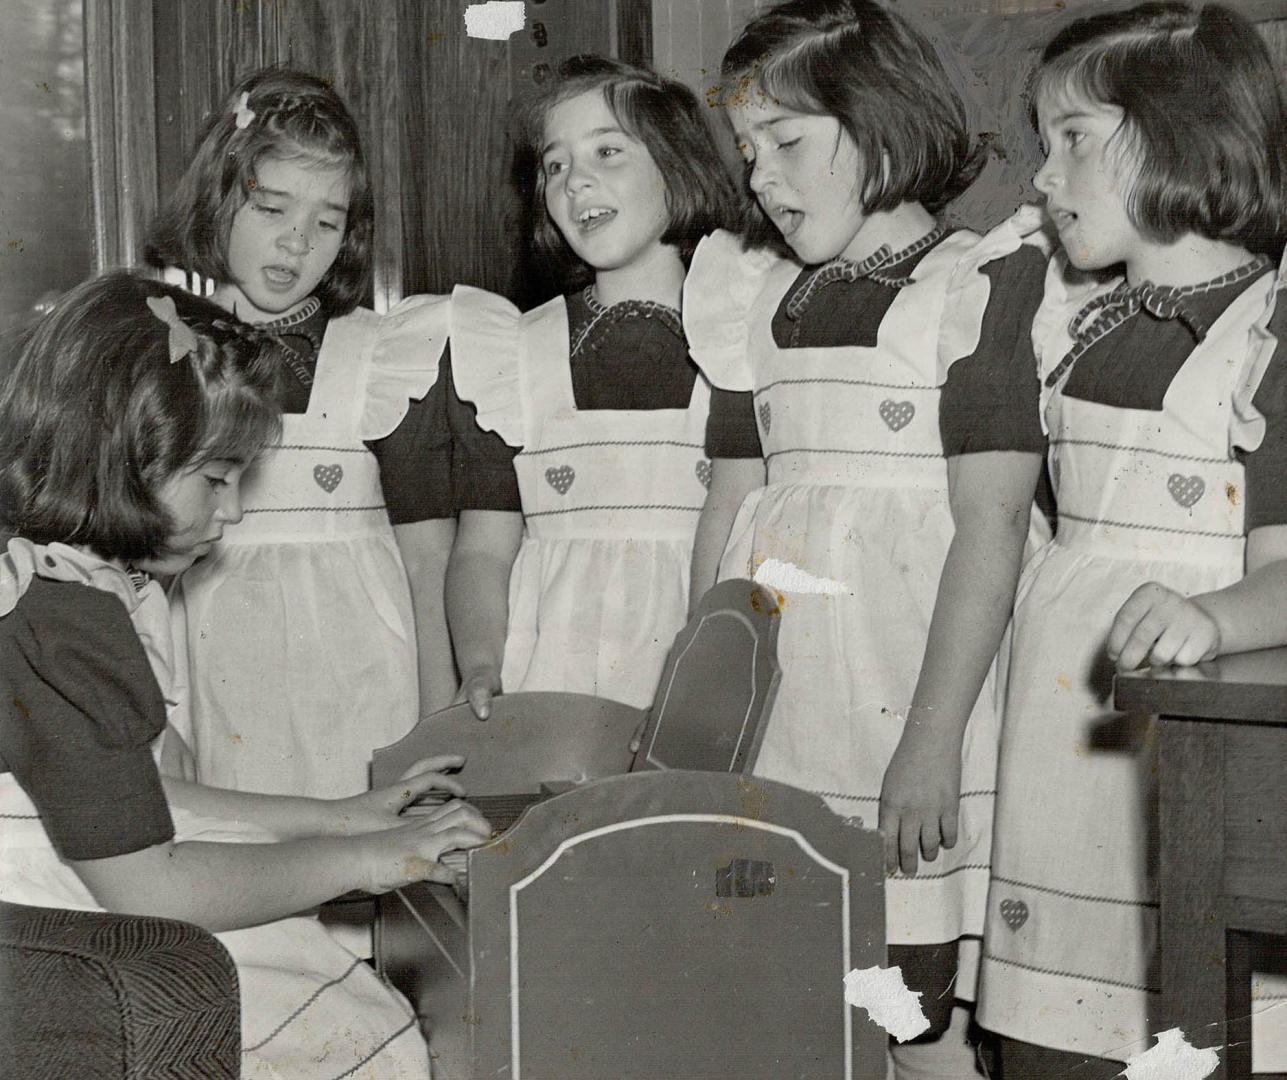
[[245, 114], [183, 339]]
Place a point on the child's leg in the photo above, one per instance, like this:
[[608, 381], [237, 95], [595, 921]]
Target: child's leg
[[1027, 1061], [950, 1056], [942, 1052]]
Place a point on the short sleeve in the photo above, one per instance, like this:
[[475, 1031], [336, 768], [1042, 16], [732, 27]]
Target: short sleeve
[[1264, 425], [483, 476], [415, 458], [404, 362], [720, 293], [971, 287], [485, 360], [1067, 291], [81, 709], [730, 426], [992, 397]]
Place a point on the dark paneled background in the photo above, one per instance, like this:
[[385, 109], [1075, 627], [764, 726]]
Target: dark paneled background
[[434, 106]]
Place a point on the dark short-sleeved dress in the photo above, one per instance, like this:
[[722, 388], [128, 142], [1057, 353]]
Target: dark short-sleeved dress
[[87, 683], [608, 418], [303, 656], [1165, 413], [862, 379]]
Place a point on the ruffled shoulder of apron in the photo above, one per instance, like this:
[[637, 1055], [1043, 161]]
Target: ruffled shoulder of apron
[[485, 357], [1267, 333], [969, 290], [409, 341], [1067, 291], [720, 292]]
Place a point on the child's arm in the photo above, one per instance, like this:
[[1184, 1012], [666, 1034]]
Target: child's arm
[[991, 496], [1158, 626], [229, 886], [487, 543], [291, 817], [425, 547], [732, 479]]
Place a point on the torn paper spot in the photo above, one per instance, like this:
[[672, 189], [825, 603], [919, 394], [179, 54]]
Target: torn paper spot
[[786, 577], [1173, 1058], [494, 20], [882, 992]]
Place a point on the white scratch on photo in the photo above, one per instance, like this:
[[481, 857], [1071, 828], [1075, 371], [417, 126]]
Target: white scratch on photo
[[494, 20], [788, 578], [1173, 1058], [882, 992]]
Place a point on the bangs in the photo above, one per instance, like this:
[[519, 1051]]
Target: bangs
[[315, 154], [784, 80], [238, 426], [238, 419], [1074, 75], [1083, 80], [624, 101], [312, 155]]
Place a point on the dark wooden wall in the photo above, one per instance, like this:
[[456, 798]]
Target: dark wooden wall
[[988, 47], [433, 104]]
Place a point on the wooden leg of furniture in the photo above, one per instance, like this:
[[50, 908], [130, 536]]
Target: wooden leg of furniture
[[428, 921], [1191, 932], [1237, 1056]]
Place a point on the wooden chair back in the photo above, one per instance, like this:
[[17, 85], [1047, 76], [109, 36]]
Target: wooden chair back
[[718, 685]]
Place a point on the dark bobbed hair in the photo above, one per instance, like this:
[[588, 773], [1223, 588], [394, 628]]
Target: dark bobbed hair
[[94, 418], [879, 77], [1203, 129], [662, 114], [297, 117]]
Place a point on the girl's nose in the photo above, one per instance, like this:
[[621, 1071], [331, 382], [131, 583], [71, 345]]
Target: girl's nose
[[295, 240], [1044, 181], [579, 176], [230, 505], [760, 177]]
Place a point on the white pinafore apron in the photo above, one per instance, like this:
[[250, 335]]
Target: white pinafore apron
[[857, 494], [1143, 495], [610, 499], [310, 1010], [302, 640]]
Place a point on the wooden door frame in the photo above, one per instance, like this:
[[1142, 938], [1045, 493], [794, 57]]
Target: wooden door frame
[[120, 115]]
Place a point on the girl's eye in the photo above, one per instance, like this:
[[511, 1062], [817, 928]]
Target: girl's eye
[[788, 144], [609, 151], [216, 482], [553, 168], [329, 226], [1073, 137], [264, 208]]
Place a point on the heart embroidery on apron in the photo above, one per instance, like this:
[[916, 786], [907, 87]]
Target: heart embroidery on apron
[[328, 477], [704, 473], [560, 479], [897, 414], [1186, 490], [1014, 913], [766, 416]]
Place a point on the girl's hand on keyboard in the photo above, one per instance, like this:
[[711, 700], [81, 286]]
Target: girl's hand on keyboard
[[383, 807], [413, 851]]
